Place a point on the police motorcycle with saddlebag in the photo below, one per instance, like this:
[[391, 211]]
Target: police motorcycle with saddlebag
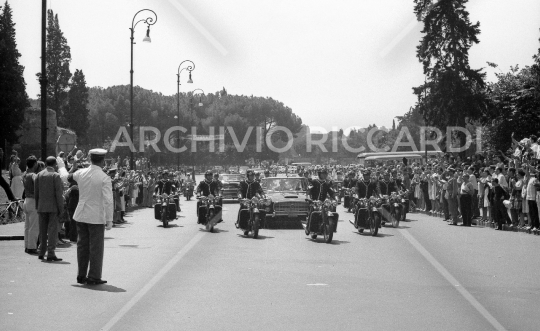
[[251, 215], [165, 207], [322, 218], [209, 205]]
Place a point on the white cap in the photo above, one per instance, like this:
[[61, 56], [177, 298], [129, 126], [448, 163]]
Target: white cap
[[97, 151]]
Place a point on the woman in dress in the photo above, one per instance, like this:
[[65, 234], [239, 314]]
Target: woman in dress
[[17, 186]]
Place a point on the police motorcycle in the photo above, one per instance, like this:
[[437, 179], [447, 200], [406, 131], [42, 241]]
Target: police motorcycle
[[252, 211], [367, 215], [322, 218], [209, 212], [252, 214], [348, 199], [396, 208], [404, 198], [165, 208], [189, 188]]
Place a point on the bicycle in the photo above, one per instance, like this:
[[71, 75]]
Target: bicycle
[[12, 212]]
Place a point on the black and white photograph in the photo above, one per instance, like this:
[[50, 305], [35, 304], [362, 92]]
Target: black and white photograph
[[269, 165]]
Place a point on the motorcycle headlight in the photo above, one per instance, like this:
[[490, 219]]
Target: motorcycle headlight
[[165, 196], [327, 203], [204, 199], [210, 197], [268, 201], [334, 203], [254, 200]]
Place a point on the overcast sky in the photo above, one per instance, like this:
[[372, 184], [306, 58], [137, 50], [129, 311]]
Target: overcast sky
[[335, 63]]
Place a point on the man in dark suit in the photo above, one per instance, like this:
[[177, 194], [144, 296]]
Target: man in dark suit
[[48, 189]]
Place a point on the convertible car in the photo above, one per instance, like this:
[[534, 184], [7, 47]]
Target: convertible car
[[288, 194]]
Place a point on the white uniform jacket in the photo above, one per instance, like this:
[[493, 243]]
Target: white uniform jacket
[[95, 196]]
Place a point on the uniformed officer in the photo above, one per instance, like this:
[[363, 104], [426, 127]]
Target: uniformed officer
[[248, 189], [349, 183], [205, 188], [320, 189], [387, 186], [94, 213], [165, 185], [365, 188]]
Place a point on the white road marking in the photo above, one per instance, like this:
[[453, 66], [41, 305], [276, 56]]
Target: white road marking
[[453, 281], [317, 284], [153, 281]]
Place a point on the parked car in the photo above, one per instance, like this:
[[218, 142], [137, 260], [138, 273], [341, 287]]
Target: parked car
[[288, 196], [231, 183]]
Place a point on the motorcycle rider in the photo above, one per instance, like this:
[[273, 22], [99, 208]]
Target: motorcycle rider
[[248, 189], [349, 183], [206, 187], [320, 188], [267, 173], [165, 185], [387, 186]]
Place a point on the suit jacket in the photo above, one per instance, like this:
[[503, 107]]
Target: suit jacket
[[453, 188], [95, 196], [48, 192]]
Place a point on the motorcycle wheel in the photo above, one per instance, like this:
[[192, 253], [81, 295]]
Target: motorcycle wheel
[[374, 224], [307, 227], [209, 226], [396, 218], [328, 231], [164, 219], [256, 227]]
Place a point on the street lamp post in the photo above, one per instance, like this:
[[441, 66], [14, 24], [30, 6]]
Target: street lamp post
[[149, 21], [191, 108], [189, 67]]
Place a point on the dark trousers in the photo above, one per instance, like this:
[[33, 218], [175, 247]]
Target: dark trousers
[[500, 214], [466, 208], [48, 233], [475, 209], [6, 188], [533, 213], [426, 198], [72, 226], [90, 244], [446, 208]]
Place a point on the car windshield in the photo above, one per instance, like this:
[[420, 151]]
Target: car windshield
[[231, 178], [284, 184]]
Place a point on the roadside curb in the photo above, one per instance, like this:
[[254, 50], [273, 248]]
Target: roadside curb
[[11, 238]]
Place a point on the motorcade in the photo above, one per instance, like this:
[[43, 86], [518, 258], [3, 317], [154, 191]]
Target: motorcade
[[165, 209], [231, 184], [288, 194], [209, 212], [322, 219]]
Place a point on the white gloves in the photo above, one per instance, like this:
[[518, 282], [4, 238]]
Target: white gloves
[[108, 226]]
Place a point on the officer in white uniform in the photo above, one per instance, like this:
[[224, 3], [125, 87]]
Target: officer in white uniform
[[93, 215]]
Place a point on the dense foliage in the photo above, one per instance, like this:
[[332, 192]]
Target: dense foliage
[[13, 98]]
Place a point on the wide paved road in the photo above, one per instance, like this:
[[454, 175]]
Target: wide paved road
[[423, 276]]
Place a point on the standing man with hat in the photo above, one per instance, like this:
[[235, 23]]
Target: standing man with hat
[[93, 215]]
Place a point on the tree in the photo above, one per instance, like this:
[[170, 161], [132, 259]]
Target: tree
[[76, 113], [13, 97], [58, 73], [453, 94], [515, 99]]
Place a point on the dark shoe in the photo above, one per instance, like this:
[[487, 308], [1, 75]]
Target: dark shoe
[[41, 257], [92, 281], [81, 279], [26, 250], [220, 221], [452, 224], [53, 259], [32, 251]]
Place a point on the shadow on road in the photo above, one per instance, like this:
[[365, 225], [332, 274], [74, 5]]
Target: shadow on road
[[109, 237], [52, 262], [334, 242], [216, 230], [102, 288], [170, 226], [368, 234]]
